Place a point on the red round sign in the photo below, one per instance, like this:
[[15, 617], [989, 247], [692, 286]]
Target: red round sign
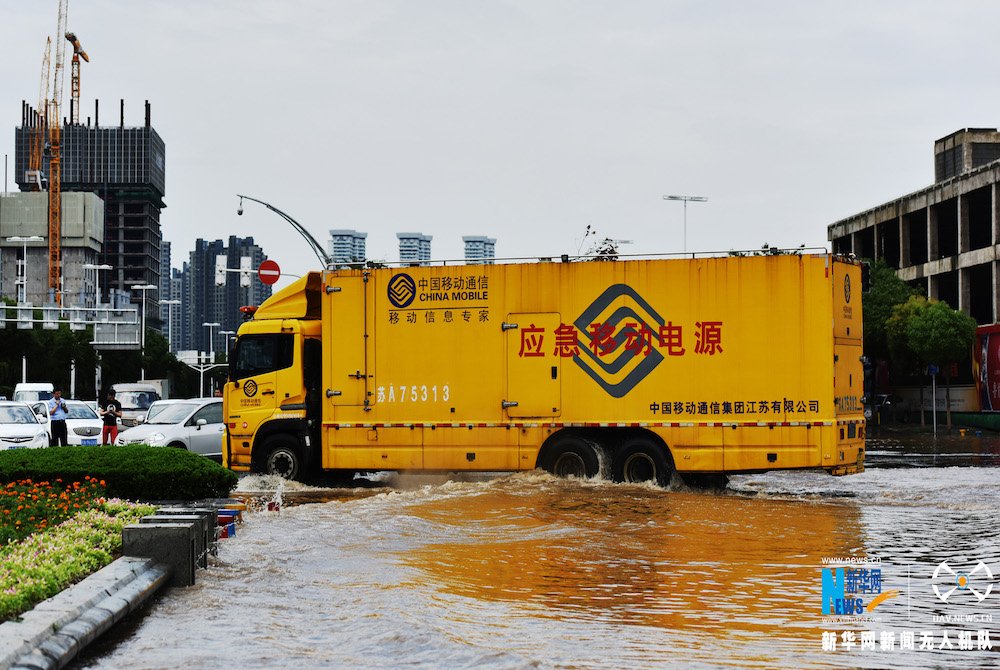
[[269, 272]]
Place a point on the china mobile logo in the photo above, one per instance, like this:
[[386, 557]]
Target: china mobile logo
[[401, 290], [948, 582], [605, 361]]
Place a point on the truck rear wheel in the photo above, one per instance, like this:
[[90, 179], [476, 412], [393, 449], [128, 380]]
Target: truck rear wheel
[[282, 458], [641, 460], [573, 457]]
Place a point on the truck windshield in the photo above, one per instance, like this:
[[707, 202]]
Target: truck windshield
[[257, 354]]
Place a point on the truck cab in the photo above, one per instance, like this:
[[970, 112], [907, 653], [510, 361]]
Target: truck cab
[[272, 395]]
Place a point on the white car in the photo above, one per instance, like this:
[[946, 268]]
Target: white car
[[83, 426], [195, 425], [19, 427]]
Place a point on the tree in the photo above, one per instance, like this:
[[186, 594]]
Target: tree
[[887, 291], [926, 332]]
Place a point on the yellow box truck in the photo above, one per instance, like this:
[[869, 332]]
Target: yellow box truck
[[636, 369]]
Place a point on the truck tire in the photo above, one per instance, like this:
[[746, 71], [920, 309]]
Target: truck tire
[[641, 460], [282, 458], [573, 457]]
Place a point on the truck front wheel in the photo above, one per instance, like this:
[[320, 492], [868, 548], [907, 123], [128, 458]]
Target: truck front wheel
[[282, 458], [641, 460]]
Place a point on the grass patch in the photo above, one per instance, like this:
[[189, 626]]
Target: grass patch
[[48, 561], [134, 472]]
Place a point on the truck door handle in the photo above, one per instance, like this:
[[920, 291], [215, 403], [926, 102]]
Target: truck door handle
[[508, 403], [267, 392], [330, 393]]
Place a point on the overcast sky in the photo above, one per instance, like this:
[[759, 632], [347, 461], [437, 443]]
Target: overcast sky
[[523, 120]]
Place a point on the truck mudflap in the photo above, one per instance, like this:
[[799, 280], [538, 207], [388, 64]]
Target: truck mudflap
[[852, 468]]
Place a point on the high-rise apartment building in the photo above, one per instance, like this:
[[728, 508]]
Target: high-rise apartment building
[[479, 249], [346, 246], [414, 247], [222, 278]]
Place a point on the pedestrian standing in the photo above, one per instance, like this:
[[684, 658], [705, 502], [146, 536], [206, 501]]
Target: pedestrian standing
[[111, 412], [57, 415]]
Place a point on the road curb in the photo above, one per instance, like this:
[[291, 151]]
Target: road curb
[[54, 632]]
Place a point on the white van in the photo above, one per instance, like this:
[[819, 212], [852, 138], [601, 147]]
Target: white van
[[32, 391], [135, 400]]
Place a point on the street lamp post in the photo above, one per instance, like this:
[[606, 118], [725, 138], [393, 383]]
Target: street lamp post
[[227, 334], [22, 281], [321, 254], [170, 322], [211, 354], [686, 199], [98, 269], [142, 340], [211, 340]]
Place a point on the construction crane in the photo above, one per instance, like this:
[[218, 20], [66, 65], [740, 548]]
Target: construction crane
[[74, 89], [55, 163], [36, 134]]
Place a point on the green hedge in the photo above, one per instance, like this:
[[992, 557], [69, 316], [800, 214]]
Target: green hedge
[[135, 472]]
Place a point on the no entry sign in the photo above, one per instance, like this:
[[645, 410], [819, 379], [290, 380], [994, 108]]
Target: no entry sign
[[269, 272]]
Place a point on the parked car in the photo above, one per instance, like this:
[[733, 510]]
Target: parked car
[[32, 391], [83, 426], [892, 407], [195, 425], [19, 427]]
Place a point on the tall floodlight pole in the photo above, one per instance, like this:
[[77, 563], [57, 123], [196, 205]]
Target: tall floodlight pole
[[170, 322], [686, 199], [22, 294], [142, 341]]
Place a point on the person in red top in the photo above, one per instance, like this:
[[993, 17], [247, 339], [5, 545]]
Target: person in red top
[[111, 412]]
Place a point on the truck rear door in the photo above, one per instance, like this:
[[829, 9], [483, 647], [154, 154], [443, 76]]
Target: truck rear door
[[534, 367]]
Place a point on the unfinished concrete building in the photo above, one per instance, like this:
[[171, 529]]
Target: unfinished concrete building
[[944, 238], [125, 167], [24, 252]]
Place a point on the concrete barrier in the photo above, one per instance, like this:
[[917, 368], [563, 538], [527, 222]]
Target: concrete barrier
[[211, 517], [204, 535], [55, 630], [172, 543]]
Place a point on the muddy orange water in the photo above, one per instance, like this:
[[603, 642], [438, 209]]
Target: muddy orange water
[[527, 571]]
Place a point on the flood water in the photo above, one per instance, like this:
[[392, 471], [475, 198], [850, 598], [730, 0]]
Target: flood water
[[527, 571]]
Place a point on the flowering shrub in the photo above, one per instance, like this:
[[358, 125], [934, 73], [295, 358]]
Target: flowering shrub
[[27, 506], [135, 472], [48, 561]]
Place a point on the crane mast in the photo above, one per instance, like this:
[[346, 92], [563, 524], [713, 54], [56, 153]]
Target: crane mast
[[36, 134], [55, 164]]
